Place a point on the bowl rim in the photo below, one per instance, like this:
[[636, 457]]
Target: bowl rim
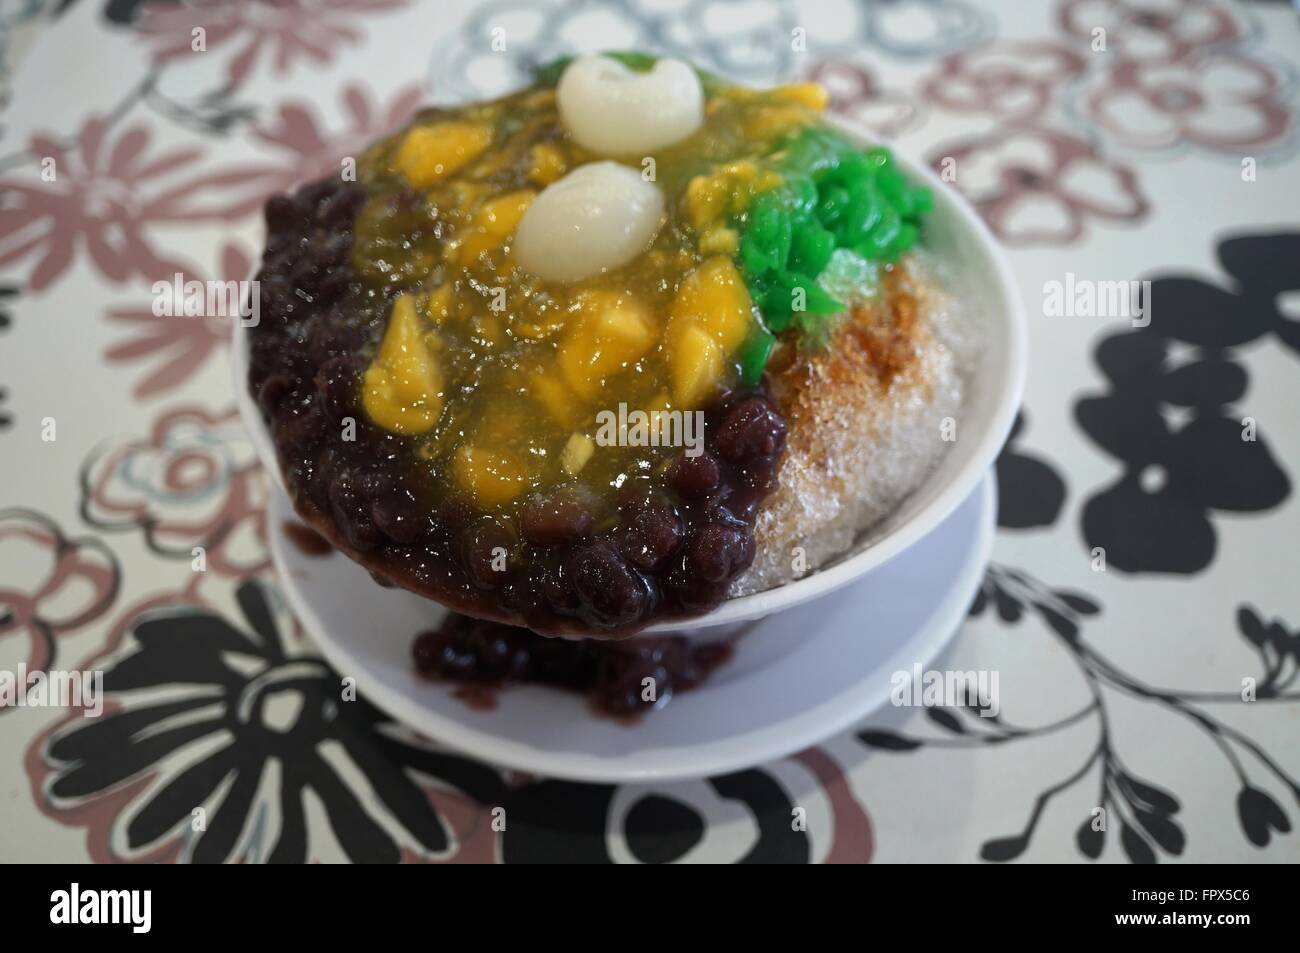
[[1006, 395]]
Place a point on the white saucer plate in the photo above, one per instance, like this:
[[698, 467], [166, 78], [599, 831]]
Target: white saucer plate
[[796, 677]]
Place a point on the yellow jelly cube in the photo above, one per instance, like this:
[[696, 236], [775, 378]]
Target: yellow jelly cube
[[491, 477], [577, 451], [442, 304], [401, 390], [719, 240], [715, 297], [767, 179], [706, 199], [773, 122], [613, 332], [696, 364], [493, 224], [429, 154], [559, 402], [726, 191], [812, 96]]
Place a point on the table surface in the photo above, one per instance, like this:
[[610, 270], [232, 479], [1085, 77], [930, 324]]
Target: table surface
[[1144, 576]]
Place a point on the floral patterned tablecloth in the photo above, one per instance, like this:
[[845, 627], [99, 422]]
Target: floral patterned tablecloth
[[1145, 567]]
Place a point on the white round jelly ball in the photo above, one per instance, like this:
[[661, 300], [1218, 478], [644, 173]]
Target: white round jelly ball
[[598, 217], [616, 111]]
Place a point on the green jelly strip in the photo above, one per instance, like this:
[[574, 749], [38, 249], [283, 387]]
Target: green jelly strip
[[831, 196], [754, 354]]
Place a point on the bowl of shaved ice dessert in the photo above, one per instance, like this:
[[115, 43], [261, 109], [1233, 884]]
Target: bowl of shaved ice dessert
[[630, 350]]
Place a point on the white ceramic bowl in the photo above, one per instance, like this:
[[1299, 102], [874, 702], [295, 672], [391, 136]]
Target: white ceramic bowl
[[976, 267]]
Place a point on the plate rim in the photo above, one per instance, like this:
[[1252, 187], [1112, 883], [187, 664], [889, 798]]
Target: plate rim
[[812, 725]]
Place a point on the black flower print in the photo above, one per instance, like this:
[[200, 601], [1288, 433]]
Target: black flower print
[[1278, 651], [1013, 592], [1030, 491], [125, 12], [204, 714], [1186, 451], [7, 294], [1264, 268], [563, 821], [1120, 807]]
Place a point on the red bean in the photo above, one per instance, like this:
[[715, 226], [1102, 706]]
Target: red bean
[[610, 592], [650, 536], [487, 548], [749, 428], [554, 518], [717, 551], [398, 517], [696, 477]]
